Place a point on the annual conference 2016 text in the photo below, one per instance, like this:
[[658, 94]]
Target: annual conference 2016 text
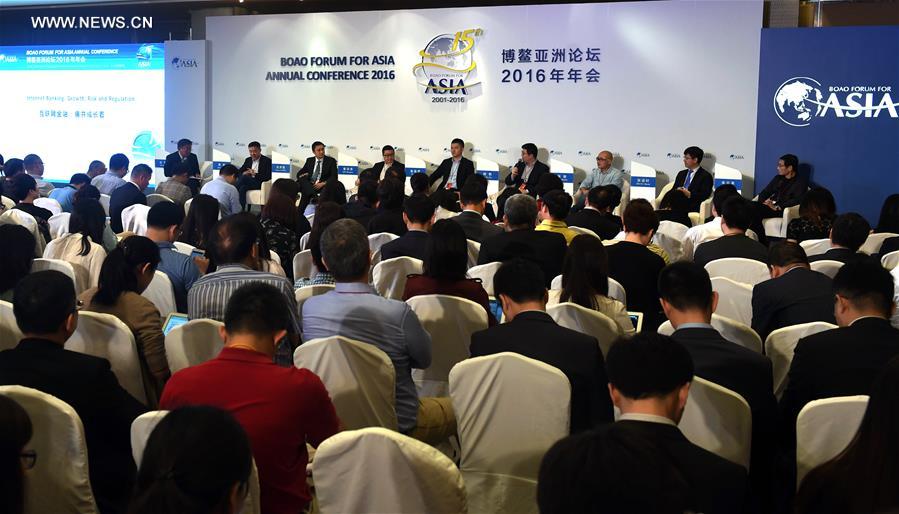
[[340, 60]]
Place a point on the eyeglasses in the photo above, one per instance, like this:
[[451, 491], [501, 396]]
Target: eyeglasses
[[28, 458], [602, 159]]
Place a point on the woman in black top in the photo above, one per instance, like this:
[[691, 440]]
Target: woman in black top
[[816, 214], [675, 206]]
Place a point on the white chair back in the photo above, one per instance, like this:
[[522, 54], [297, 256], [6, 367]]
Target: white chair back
[[161, 293], [10, 335], [824, 428], [777, 227], [734, 299], [828, 267], [304, 241], [718, 420], [376, 241], [59, 481], [658, 200], [359, 377], [22, 218], [134, 219], [815, 246], [187, 206], [890, 260], [585, 231], [106, 336], [733, 331], [502, 438], [80, 280], [50, 204], [302, 265], [556, 283], [389, 276], [485, 272], [474, 248], [670, 237], [779, 347], [59, 224], [393, 473], [616, 291], [450, 321], [184, 248], [306, 292], [6, 202], [104, 202], [192, 343], [872, 245], [746, 271], [586, 321], [154, 198]]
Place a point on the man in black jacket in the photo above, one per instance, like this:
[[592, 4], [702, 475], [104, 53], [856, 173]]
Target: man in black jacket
[[523, 176], [473, 198], [388, 153], [45, 309], [188, 158], [317, 171], [694, 181], [736, 216], [847, 234], [256, 169], [595, 214], [130, 194], [455, 170], [418, 214]]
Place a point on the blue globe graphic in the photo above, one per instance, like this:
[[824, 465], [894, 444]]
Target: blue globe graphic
[[439, 50], [798, 100], [144, 146]]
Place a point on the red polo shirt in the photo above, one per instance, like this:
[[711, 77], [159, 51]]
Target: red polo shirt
[[279, 408]]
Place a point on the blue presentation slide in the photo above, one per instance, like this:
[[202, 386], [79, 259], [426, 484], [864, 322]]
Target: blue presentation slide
[[72, 104]]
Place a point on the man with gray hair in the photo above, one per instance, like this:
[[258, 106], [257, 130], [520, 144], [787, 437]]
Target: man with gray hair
[[354, 310], [547, 249]]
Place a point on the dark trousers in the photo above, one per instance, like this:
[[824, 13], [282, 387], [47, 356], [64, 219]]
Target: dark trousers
[[307, 190], [246, 183], [194, 183]]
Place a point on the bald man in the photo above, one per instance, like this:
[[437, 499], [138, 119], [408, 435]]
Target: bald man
[[602, 175]]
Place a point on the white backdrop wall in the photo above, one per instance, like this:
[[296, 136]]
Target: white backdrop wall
[[672, 74]]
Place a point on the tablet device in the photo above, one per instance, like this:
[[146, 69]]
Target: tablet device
[[197, 252], [173, 320], [636, 319], [496, 307]]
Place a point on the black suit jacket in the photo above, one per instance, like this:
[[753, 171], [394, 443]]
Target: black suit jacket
[[411, 244], [121, 198], [442, 173], [717, 485], [547, 249], [786, 193], [264, 173], [388, 221], [700, 186], [533, 178], [594, 220], [737, 245], [889, 245], [798, 296], [637, 269], [106, 410], [173, 159], [475, 227], [844, 255], [536, 335], [360, 212], [329, 169], [378, 168]]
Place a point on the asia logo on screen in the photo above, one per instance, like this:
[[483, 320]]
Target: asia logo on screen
[[448, 64], [800, 100]]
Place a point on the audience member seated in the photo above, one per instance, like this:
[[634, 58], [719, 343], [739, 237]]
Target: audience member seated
[[688, 302], [816, 213], [889, 222], [845, 361], [112, 179], [15, 457], [354, 310], [46, 312], [736, 216], [473, 197], [547, 249], [366, 175], [197, 460], [333, 191], [585, 281], [15, 259], [132, 193], [66, 195], [34, 167], [786, 189], [163, 224], [362, 209], [675, 206], [82, 245], [175, 188], [636, 267], [328, 213], [25, 192], [201, 218], [224, 190], [126, 273], [89, 192], [447, 202], [281, 409], [445, 264], [597, 214], [649, 380], [96, 168], [847, 235], [390, 208], [420, 184], [862, 478], [554, 207], [710, 229], [530, 331], [282, 222], [418, 214], [795, 294]]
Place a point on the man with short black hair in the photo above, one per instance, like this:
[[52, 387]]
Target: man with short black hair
[[649, 381], [525, 174], [694, 181], [388, 154], [46, 312], [473, 197], [131, 193], [112, 178], [163, 228], [95, 169], [786, 189], [530, 331], [362, 207], [418, 214], [66, 195], [554, 207], [596, 213], [699, 234], [317, 171], [176, 188], [454, 170], [184, 155], [34, 166], [736, 216], [847, 234], [390, 209], [419, 184], [224, 190], [23, 189], [256, 169]]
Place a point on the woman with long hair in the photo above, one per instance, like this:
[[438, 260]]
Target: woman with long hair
[[15, 432], [201, 217], [889, 222], [675, 206], [126, 273], [817, 211], [326, 213], [15, 259], [81, 247], [282, 222], [88, 191]]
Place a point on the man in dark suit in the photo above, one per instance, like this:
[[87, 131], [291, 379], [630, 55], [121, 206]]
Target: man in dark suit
[[795, 294], [45, 309], [418, 213], [735, 219], [388, 153], [130, 194], [847, 234], [186, 156], [454, 171], [547, 249], [523, 176], [694, 181], [688, 301], [317, 171], [649, 381], [594, 215], [256, 169], [530, 331], [362, 206], [473, 198], [390, 209]]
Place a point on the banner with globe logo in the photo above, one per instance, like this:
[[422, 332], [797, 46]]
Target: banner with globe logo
[[448, 65], [798, 100]]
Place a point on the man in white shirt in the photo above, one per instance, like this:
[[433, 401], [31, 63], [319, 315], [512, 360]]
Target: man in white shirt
[[34, 166], [223, 190], [112, 178]]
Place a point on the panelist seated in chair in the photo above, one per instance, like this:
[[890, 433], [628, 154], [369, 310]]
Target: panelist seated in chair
[[455, 170], [847, 234], [786, 189], [184, 155], [317, 171], [735, 220], [524, 176], [388, 154], [256, 169], [694, 181]]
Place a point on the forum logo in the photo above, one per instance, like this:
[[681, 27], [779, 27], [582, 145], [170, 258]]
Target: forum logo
[[179, 63], [448, 63], [799, 100]]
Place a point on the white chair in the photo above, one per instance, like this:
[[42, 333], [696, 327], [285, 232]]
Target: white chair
[[734, 299], [872, 245], [733, 331], [585, 231], [616, 291], [777, 227], [304, 293], [304, 241], [586, 321], [154, 198], [359, 377], [192, 343], [106, 336], [104, 201], [450, 321], [705, 210], [718, 420], [670, 237], [161, 293], [59, 482], [695, 218], [890, 260], [509, 409], [828, 267], [389, 276], [815, 246], [658, 199], [376, 241], [556, 283], [824, 428], [59, 224], [474, 248], [81, 281], [134, 219], [6, 202], [485, 272], [303, 266], [746, 271], [779, 346], [10, 335], [22, 218], [187, 206], [391, 473], [50, 204], [184, 248]]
